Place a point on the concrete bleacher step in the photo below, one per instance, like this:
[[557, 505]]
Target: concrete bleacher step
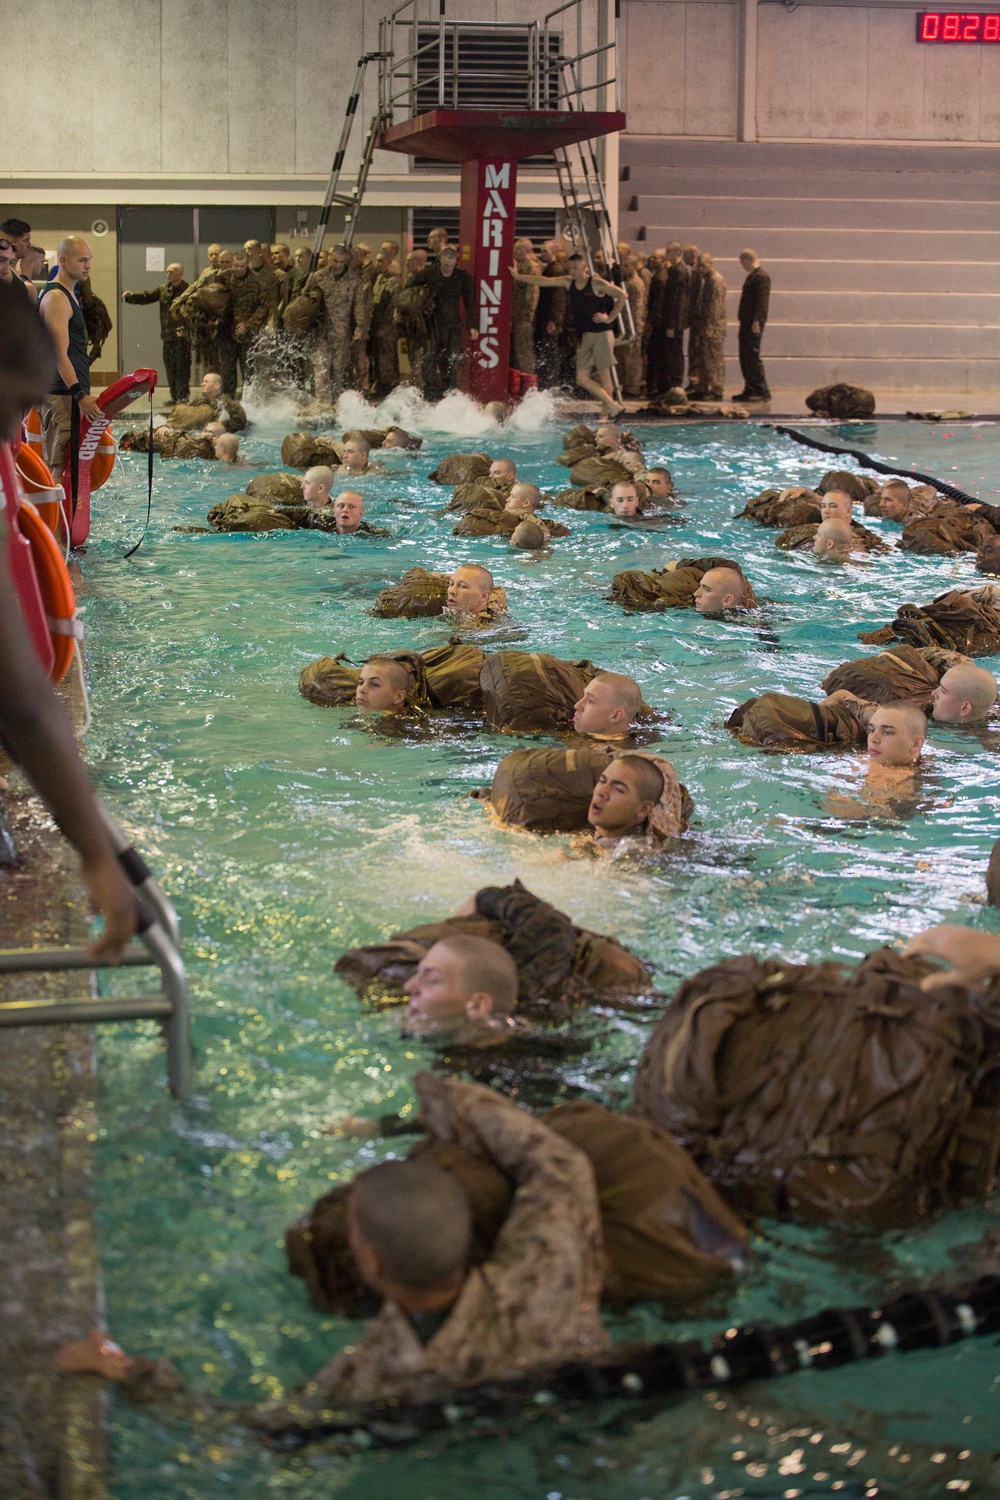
[[884, 261]]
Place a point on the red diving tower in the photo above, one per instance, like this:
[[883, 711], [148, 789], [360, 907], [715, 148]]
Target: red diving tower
[[443, 97]]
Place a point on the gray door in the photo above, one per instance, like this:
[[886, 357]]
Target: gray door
[[176, 234]]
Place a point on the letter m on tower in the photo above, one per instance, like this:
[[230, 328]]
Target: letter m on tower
[[498, 177]]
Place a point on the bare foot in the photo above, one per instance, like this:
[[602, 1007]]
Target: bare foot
[[94, 1355]]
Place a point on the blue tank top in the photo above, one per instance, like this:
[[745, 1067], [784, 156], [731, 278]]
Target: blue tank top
[[77, 340]]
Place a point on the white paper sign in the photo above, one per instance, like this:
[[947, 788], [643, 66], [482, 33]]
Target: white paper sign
[[156, 258]]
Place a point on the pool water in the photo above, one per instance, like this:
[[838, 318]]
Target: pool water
[[285, 833]]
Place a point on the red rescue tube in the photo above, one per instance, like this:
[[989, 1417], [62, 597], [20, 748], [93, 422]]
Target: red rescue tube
[[92, 433], [21, 565]]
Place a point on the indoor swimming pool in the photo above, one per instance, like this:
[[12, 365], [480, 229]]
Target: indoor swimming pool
[[285, 833]]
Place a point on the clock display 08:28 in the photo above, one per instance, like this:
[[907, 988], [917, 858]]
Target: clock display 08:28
[[958, 26]]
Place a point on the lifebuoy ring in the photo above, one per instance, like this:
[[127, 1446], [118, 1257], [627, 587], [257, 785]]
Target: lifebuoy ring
[[101, 466], [54, 586], [36, 480]]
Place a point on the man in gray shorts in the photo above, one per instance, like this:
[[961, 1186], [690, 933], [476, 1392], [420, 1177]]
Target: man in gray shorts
[[594, 304]]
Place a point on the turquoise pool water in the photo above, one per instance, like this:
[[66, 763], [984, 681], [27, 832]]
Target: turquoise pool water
[[285, 833]]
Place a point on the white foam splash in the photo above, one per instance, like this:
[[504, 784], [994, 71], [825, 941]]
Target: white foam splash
[[536, 411], [455, 414]]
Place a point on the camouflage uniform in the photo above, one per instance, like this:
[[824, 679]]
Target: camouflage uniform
[[275, 284], [176, 344], [384, 335], [534, 1303], [250, 308], [201, 331], [522, 324], [348, 310], [711, 372], [629, 355]]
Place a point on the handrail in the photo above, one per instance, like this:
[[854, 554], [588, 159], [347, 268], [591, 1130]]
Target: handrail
[[157, 946]]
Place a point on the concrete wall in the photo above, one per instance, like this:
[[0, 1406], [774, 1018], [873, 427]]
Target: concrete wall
[[824, 72]]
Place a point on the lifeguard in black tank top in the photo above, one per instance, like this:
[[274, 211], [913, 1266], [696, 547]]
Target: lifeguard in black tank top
[[585, 302]]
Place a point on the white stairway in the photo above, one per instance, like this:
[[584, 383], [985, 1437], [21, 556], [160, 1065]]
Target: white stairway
[[884, 260]]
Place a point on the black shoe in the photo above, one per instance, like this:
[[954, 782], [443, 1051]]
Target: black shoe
[[740, 396], [757, 398]]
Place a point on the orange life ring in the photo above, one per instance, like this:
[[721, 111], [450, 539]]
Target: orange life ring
[[37, 481], [101, 465], [55, 587]]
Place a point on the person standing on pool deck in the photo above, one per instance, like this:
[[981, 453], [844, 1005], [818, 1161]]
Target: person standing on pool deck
[[63, 317], [594, 306], [176, 346], [754, 301]]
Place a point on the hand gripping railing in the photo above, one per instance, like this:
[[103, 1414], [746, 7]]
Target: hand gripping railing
[[157, 946]]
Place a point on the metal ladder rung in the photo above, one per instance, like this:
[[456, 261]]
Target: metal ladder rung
[[61, 1012], [36, 960]]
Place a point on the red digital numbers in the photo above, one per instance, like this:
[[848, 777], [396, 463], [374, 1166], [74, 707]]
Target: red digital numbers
[[958, 26]]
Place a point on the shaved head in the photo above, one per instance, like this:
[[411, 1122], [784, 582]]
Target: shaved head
[[524, 496], [833, 539], [469, 588], [965, 695], [896, 733], [416, 1219], [836, 503], [608, 705], [648, 779], [485, 966], [719, 589]]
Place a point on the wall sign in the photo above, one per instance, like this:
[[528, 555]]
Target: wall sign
[[958, 26]]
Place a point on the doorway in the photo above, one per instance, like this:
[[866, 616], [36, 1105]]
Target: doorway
[[148, 240]]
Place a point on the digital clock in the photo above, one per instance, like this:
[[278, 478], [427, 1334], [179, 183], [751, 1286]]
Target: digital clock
[[958, 26]]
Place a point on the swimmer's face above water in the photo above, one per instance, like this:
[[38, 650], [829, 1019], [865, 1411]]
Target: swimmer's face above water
[[659, 484], [348, 511], [836, 505], [719, 589], [211, 386], [439, 995], [624, 501], [608, 437], [618, 804], [896, 735], [503, 469], [607, 706], [525, 499], [316, 484], [382, 688], [469, 589], [964, 695], [355, 455]]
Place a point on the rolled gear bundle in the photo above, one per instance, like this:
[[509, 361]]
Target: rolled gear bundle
[[558, 964], [479, 492], [304, 450], [548, 790], [801, 538], [964, 620], [668, 1236], [782, 508], [303, 313], [579, 499], [419, 593], [671, 588], [946, 528], [858, 486], [168, 443], [244, 513], [187, 416], [901, 672], [843, 401], [280, 489], [531, 692], [580, 442], [488, 519], [598, 473], [459, 468], [824, 1095], [780, 721], [443, 677], [674, 810]]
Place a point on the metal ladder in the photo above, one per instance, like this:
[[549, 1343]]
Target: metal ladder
[[157, 946], [352, 200]]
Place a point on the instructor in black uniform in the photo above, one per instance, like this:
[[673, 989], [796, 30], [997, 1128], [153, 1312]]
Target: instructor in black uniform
[[594, 306], [63, 317], [753, 315]]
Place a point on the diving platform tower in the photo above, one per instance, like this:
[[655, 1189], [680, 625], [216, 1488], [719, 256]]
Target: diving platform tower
[[450, 91]]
